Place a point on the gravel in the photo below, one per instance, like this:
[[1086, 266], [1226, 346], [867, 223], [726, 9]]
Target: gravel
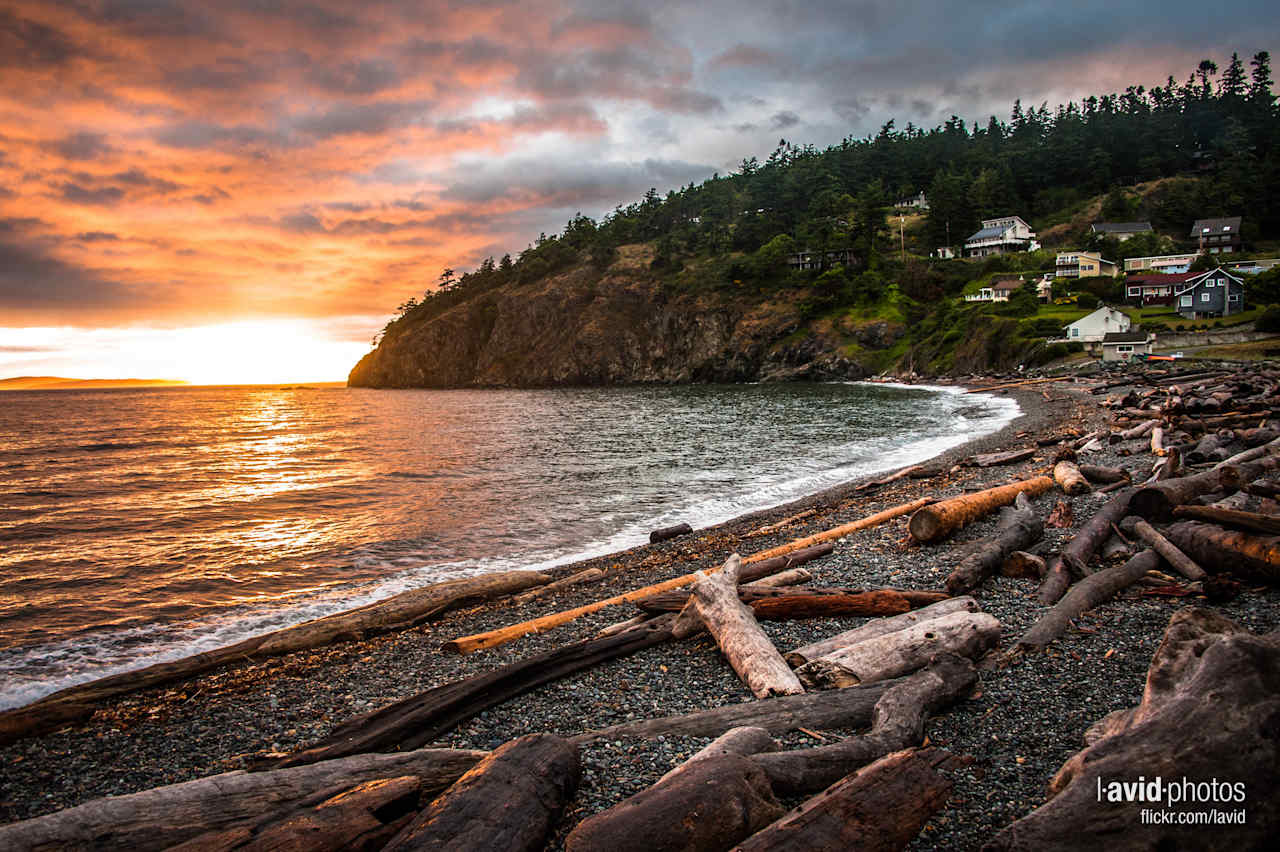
[[1022, 723]]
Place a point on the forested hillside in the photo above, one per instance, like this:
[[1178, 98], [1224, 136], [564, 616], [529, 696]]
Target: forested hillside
[[1169, 154]]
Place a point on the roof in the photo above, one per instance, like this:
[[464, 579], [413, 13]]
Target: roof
[[1158, 278], [1226, 225], [1006, 285], [1194, 280], [988, 232], [1130, 336], [1120, 227]]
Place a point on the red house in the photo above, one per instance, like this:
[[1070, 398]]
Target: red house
[[1154, 288]]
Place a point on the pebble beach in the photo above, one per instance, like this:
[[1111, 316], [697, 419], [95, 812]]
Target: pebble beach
[[1020, 724]]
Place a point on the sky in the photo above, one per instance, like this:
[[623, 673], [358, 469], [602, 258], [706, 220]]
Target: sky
[[245, 190]]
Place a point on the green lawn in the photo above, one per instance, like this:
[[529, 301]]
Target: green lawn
[[1165, 314]]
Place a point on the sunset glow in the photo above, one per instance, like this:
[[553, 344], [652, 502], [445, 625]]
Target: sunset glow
[[303, 167]]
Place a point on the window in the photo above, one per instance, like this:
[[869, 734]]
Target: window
[[1186, 301], [1135, 291], [1075, 332], [1124, 347], [1204, 297], [1234, 297]]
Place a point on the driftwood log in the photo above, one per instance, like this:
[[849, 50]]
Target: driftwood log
[[931, 523], [994, 459], [1208, 713], [837, 708], [1151, 537], [799, 601], [1084, 596], [167, 816], [1155, 502], [1251, 521], [399, 612], [879, 808], [508, 802], [1019, 528], [666, 533], [421, 718], [1055, 582], [1219, 550], [1077, 552], [1024, 566], [745, 740], [966, 634], [1104, 475], [842, 530], [1069, 478], [878, 627], [363, 818], [734, 627]]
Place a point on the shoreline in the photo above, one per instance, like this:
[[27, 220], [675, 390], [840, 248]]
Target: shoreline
[[1020, 726]]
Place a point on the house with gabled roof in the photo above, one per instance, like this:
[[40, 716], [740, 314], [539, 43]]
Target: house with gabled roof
[[1126, 345], [1093, 327], [1155, 288], [1083, 264], [1120, 230], [1217, 236], [1001, 236], [1216, 293]]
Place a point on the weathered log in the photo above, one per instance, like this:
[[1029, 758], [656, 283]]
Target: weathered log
[[842, 530], [792, 577], [399, 612], [1219, 550], [1139, 430], [1069, 478], [1075, 554], [1024, 566], [1258, 437], [508, 802], [166, 816], [994, 459], [1161, 545], [1098, 473], [1168, 467], [837, 708], [1056, 581], [1155, 502], [931, 523], [1208, 714], [666, 533], [734, 627], [1252, 521], [967, 634], [1157, 440], [785, 522], [421, 718], [1082, 597], [1207, 449], [879, 627], [589, 575], [745, 740], [1019, 528], [822, 603], [897, 723], [706, 808], [363, 818], [879, 808]]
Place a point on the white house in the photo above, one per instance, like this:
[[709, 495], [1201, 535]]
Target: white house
[[1000, 236], [1127, 345], [1097, 325]]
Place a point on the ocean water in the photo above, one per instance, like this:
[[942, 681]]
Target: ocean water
[[143, 525]]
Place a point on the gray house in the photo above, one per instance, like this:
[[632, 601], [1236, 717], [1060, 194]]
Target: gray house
[[1216, 293], [1126, 345]]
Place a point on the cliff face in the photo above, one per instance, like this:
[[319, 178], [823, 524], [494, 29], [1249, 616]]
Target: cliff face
[[581, 328]]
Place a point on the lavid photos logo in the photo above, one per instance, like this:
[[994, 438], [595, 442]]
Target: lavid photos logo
[[1174, 796]]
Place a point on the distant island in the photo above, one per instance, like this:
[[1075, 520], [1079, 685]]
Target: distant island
[[62, 383]]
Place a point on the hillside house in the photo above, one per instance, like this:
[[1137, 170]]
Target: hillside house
[[1097, 325], [1001, 236], [1160, 263], [1217, 236], [1125, 345], [915, 202], [998, 290], [1252, 267], [815, 259], [1216, 293], [1083, 264], [1120, 230], [1154, 289], [943, 253]]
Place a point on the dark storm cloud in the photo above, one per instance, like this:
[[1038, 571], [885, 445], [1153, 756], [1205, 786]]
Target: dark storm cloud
[[82, 146], [783, 120], [25, 43], [32, 281], [567, 183], [369, 119]]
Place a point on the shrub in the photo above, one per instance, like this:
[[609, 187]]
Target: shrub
[[1269, 320], [1075, 346]]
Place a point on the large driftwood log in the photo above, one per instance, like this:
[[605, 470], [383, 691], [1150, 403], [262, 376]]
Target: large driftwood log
[[360, 819], [879, 808], [852, 599], [1150, 536], [1155, 502], [589, 575], [837, 708], [1084, 596], [842, 530], [399, 612], [1069, 478], [421, 718], [1208, 714], [671, 532], [746, 740], [1098, 473], [705, 808], [878, 627], [931, 523], [897, 723], [1077, 552], [967, 634], [508, 802], [1252, 521], [735, 629], [994, 459], [1055, 582], [1019, 528], [1220, 550], [167, 816]]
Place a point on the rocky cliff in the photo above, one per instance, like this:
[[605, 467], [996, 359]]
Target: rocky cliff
[[584, 327]]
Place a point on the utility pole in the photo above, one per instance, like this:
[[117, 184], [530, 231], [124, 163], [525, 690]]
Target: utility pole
[[903, 238]]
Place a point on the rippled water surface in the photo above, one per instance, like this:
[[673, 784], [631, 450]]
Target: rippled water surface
[[142, 525]]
